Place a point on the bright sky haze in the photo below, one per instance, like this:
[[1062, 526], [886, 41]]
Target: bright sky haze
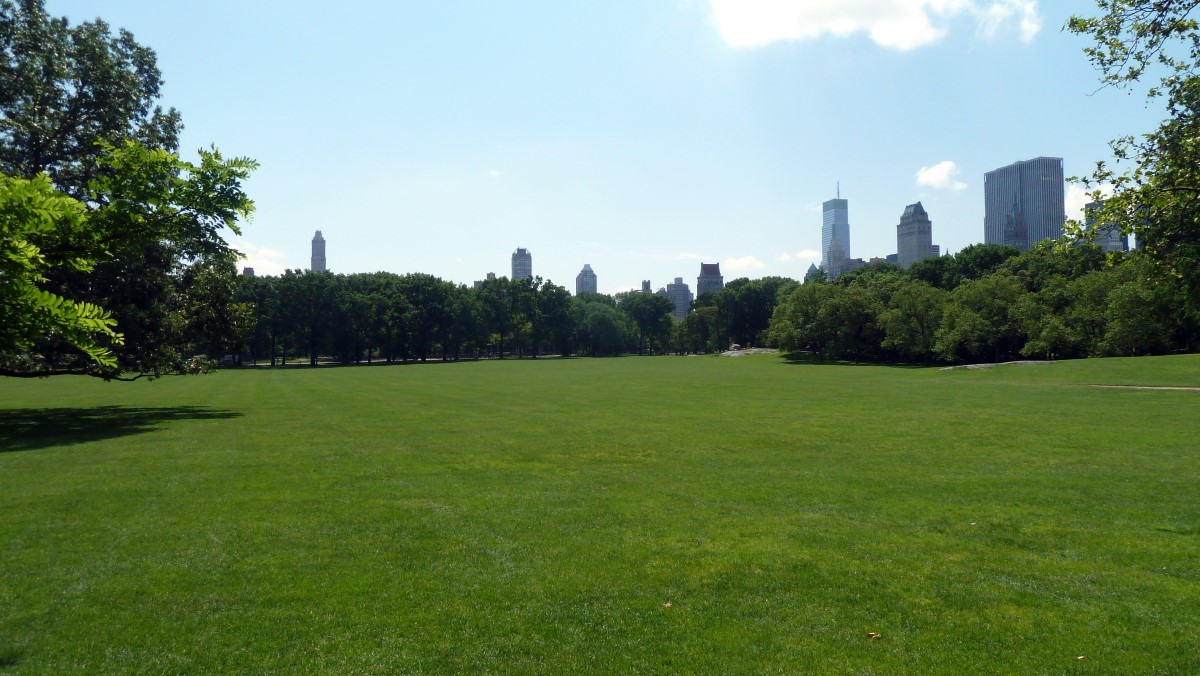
[[641, 136]]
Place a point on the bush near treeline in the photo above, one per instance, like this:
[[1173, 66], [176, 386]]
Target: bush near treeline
[[989, 304]]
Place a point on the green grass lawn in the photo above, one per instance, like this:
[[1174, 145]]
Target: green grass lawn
[[696, 514]]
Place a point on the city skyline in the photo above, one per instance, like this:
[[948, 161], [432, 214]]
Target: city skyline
[[642, 137]]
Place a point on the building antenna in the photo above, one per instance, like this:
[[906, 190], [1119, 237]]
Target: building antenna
[[839, 189]]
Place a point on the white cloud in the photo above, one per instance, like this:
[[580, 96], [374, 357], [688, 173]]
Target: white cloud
[[265, 261], [743, 264], [894, 24], [495, 173], [802, 255], [941, 176], [993, 18], [1078, 196]]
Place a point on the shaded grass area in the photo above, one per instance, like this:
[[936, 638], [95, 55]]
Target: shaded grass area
[[25, 429], [539, 517]]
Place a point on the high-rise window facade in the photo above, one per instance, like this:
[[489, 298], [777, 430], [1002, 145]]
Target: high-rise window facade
[[835, 229], [1023, 203], [522, 264], [318, 253], [1109, 238], [585, 281], [681, 296], [710, 279], [914, 236]]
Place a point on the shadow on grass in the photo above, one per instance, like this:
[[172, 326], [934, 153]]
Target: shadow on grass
[[805, 358], [31, 429], [431, 360]]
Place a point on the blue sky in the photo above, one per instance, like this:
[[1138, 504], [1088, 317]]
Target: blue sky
[[640, 136]]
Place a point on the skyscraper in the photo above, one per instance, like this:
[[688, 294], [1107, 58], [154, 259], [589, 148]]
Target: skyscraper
[[914, 236], [585, 281], [522, 264], [710, 279], [681, 296], [318, 253], [835, 225], [839, 262], [1023, 203], [1109, 238]]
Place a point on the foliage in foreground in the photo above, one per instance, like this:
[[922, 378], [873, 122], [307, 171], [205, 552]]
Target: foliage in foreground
[[141, 246], [42, 230], [1155, 183], [144, 257]]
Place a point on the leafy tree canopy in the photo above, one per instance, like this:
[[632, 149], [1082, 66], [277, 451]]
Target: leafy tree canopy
[[149, 251], [1156, 185], [144, 240], [64, 89], [42, 229]]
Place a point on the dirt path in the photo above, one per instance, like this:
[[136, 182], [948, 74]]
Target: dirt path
[[1149, 387]]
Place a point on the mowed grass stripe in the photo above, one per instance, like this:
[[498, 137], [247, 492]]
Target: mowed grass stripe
[[537, 516]]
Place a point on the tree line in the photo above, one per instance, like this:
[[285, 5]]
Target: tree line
[[985, 303], [319, 316], [991, 303]]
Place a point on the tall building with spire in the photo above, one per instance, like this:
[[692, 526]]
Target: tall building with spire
[[522, 264], [835, 225], [585, 281], [1023, 203], [318, 253], [914, 236]]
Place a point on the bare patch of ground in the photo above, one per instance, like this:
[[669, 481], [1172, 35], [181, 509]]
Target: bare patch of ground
[[989, 366], [749, 350]]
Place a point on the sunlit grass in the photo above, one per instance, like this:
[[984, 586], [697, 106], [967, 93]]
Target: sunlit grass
[[665, 514]]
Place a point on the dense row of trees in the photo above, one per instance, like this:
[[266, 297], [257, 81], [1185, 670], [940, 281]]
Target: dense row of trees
[[989, 303], [309, 316], [986, 303]]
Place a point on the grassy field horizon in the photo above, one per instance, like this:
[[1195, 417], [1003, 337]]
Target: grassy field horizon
[[687, 514]]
